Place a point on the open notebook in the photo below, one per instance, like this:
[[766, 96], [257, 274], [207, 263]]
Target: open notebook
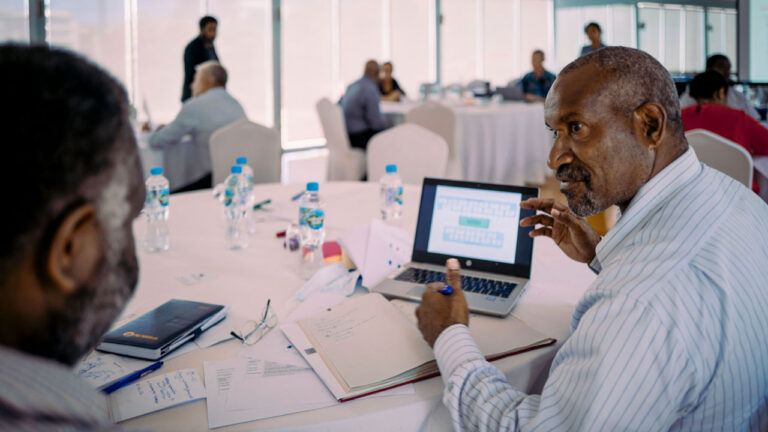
[[366, 345]]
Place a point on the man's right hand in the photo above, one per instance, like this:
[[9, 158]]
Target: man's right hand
[[571, 233]]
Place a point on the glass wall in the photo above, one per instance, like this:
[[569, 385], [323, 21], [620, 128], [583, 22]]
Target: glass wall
[[721, 34], [412, 43], [460, 39], [14, 24], [94, 28]]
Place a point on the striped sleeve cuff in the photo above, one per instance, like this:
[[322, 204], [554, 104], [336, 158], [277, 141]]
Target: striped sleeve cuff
[[454, 347]]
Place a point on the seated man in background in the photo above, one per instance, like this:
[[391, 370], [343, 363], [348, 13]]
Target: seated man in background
[[536, 84], [67, 259], [671, 335], [360, 103], [210, 109], [720, 64], [388, 85], [710, 91]]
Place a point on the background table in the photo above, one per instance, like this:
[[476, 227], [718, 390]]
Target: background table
[[497, 142], [246, 278]]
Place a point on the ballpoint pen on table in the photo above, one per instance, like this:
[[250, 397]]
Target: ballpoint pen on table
[[261, 204], [297, 196], [131, 378]]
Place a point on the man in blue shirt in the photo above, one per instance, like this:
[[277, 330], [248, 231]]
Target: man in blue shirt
[[536, 84], [361, 107]]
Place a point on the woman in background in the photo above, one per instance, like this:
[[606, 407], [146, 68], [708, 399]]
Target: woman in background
[[388, 86]]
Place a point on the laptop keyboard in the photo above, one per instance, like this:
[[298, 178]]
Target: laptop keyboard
[[489, 287]]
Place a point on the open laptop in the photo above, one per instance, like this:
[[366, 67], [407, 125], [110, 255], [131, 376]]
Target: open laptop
[[480, 225], [511, 93]]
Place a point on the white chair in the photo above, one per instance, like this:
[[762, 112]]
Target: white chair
[[344, 162], [260, 144], [441, 120], [722, 154], [416, 151]]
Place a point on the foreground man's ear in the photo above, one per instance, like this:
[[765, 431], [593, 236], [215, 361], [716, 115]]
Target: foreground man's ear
[[650, 121], [75, 250]]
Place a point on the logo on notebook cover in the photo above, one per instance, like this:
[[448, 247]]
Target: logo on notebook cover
[[132, 334]]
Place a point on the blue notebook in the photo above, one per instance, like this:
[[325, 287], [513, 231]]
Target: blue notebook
[[163, 329]]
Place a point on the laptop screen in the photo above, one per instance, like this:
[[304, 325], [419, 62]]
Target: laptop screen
[[477, 223]]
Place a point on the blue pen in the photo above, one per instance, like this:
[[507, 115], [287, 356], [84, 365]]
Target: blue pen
[[297, 196], [447, 290], [122, 382]]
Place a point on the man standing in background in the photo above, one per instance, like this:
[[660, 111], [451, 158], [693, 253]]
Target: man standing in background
[[200, 50]]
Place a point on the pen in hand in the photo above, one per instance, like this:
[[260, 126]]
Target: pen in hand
[[131, 378]]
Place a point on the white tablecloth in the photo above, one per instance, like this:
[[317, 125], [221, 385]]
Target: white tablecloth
[[503, 142], [245, 279]]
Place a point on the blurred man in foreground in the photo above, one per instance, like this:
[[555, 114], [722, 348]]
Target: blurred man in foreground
[[671, 335], [67, 260]]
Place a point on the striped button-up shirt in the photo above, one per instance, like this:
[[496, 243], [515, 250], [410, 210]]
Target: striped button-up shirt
[[37, 394], [670, 336]]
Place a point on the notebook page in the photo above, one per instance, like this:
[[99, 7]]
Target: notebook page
[[366, 340]]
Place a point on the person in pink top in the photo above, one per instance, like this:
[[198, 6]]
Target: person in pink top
[[711, 113]]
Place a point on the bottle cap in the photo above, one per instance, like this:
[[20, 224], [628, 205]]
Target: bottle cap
[[313, 187], [242, 160], [236, 169], [156, 171], [391, 168]]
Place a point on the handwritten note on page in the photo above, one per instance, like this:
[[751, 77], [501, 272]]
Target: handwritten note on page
[[367, 341], [155, 394], [102, 370]]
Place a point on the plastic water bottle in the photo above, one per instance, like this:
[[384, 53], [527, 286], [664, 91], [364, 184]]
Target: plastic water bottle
[[236, 208], [156, 209], [248, 174], [311, 219], [391, 192]]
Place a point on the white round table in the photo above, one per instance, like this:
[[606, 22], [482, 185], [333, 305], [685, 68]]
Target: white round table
[[497, 142], [246, 278]]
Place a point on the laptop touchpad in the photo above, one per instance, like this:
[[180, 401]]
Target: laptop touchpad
[[416, 291]]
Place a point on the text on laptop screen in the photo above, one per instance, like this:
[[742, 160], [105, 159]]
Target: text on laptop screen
[[475, 223]]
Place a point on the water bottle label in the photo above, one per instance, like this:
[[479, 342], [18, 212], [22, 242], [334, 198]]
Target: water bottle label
[[161, 197], [315, 219], [228, 197], [164, 197], [250, 182], [303, 213], [394, 196]]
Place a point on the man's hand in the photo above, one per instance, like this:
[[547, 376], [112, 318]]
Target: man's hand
[[439, 311], [571, 233]]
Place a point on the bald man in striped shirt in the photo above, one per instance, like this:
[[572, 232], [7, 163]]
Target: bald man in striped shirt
[[672, 333]]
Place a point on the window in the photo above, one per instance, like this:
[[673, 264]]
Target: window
[[244, 45], [93, 28], [308, 63], [361, 36], [14, 24], [721, 34], [412, 43], [534, 33], [501, 41], [165, 27], [460, 42]]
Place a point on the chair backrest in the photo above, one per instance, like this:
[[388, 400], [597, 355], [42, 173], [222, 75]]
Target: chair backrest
[[722, 154], [439, 119], [336, 138], [416, 151], [260, 144]]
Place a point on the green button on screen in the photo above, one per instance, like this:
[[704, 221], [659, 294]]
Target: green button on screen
[[474, 222]]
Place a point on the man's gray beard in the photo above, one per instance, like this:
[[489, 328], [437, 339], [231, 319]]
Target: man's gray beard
[[586, 206], [89, 313]]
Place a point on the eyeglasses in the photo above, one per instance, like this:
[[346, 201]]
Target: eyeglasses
[[252, 331]]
